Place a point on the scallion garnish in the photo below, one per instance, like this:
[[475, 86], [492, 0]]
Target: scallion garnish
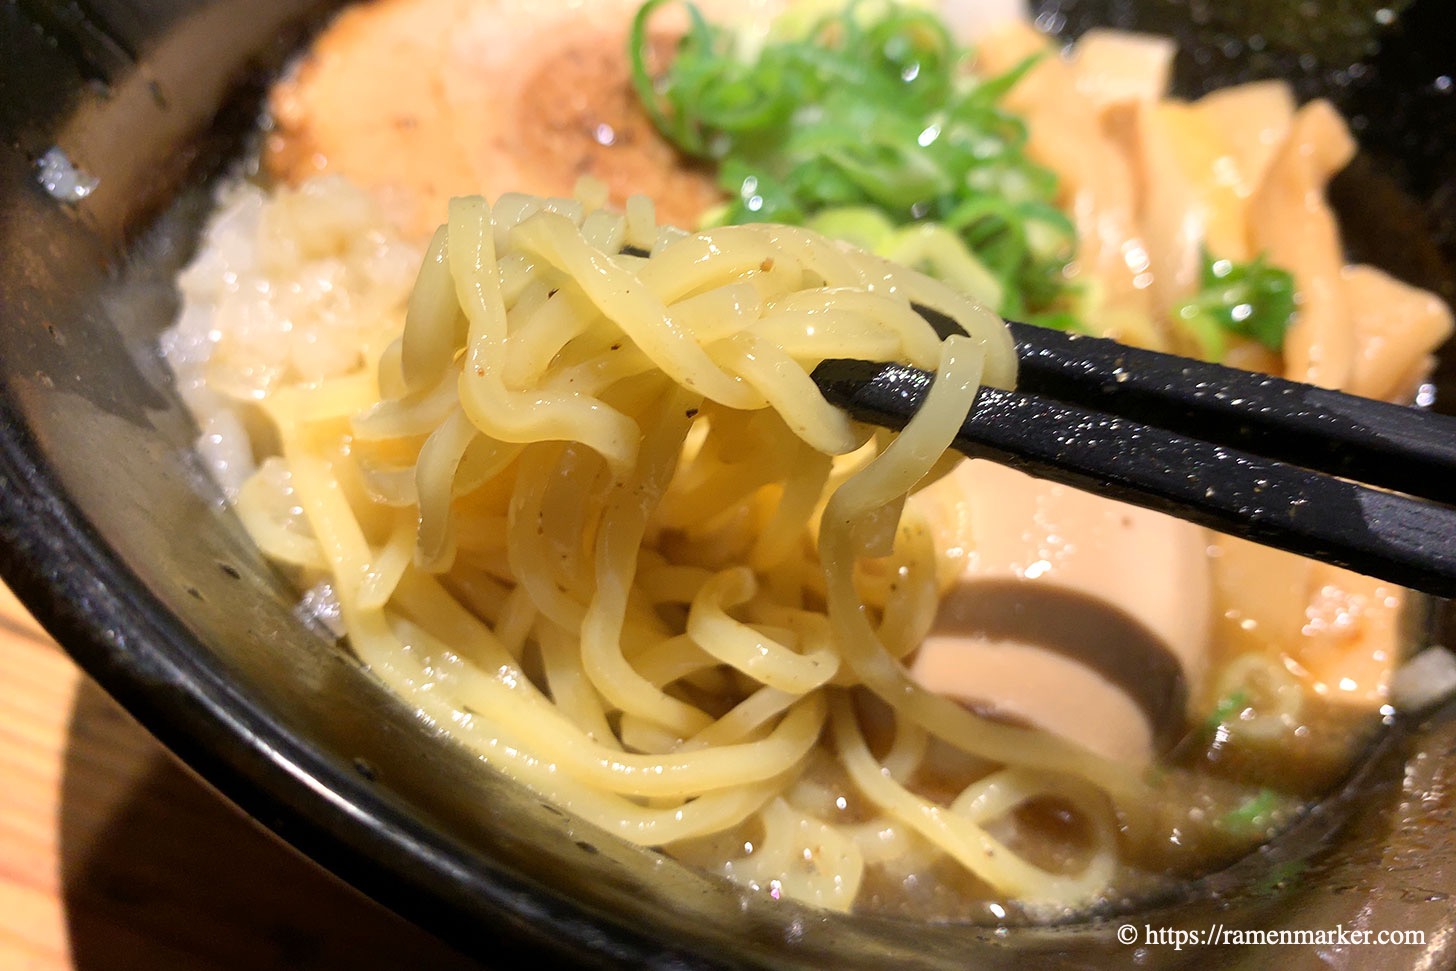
[[873, 107], [1253, 299]]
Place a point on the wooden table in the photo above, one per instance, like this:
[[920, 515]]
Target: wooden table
[[113, 858]]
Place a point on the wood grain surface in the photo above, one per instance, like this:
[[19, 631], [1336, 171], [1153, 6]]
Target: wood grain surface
[[112, 857]]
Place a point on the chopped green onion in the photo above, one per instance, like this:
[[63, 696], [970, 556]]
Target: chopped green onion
[[1254, 815], [870, 107], [1233, 702], [1280, 876], [1253, 299], [929, 247]]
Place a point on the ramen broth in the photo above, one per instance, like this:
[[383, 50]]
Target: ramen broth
[[1270, 676]]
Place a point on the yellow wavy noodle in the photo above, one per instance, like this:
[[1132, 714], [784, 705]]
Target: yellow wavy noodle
[[613, 474]]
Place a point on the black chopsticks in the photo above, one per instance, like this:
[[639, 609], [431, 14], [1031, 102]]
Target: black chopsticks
[[1350, 481]]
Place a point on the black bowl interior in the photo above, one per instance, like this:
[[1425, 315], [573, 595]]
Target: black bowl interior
[[113, 535]]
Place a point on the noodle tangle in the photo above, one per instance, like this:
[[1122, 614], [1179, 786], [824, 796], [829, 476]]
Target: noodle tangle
[[592, 517]]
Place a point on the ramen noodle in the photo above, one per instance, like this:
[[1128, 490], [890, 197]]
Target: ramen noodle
[[561, 477]]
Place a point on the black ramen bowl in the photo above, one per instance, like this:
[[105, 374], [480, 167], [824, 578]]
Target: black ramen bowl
[[115, 115]]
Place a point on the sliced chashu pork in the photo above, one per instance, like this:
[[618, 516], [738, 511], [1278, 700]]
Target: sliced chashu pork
[[422, 100], [1078, 615]]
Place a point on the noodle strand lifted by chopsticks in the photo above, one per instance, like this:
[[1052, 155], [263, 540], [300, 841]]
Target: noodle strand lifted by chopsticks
[[593, 517]]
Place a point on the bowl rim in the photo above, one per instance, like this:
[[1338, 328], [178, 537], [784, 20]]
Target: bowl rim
[[129, 643]]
